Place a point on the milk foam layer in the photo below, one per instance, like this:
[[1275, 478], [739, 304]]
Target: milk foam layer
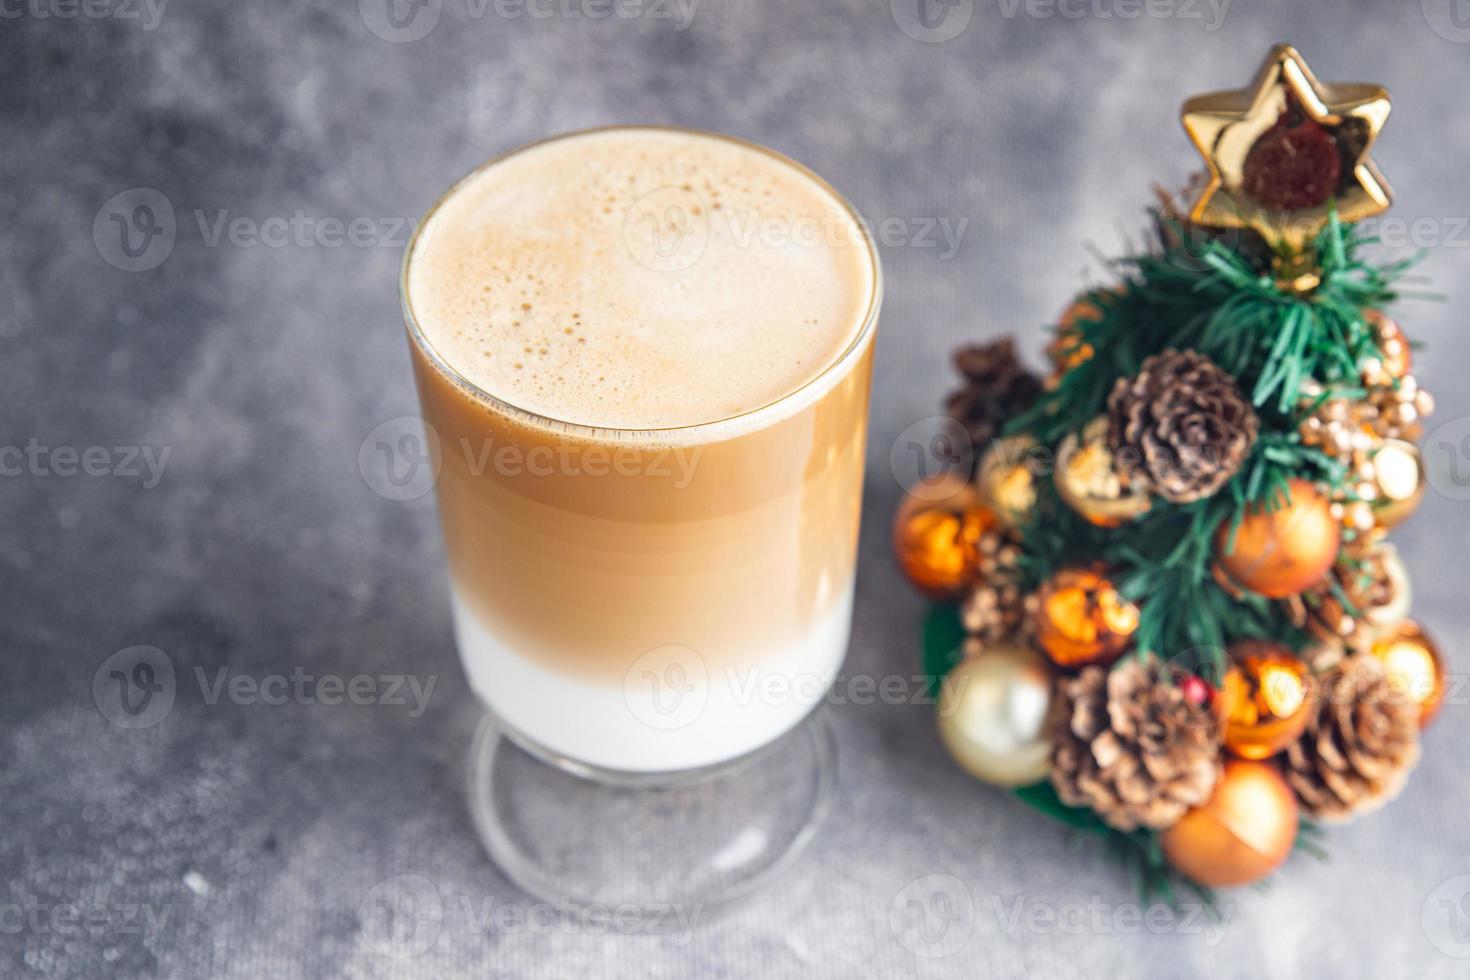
[[641, 278]]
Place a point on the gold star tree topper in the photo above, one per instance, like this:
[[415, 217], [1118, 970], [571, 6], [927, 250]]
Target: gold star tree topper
[[1287, 149]]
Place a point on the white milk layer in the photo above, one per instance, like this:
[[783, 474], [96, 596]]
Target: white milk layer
[[671, 711]]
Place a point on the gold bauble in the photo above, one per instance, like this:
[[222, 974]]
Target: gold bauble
[[1281, 552], [1082, 619], [1397, 358], [1398, 482], [1242, 834], [936, 537], [992, 715], [1414, 665], [1088, 481], [1267, 698], [1006, 479]]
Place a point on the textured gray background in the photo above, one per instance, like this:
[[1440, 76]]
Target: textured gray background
[[258, 831]]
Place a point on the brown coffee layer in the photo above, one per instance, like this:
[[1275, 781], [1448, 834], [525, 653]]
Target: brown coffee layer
[[585, 555]]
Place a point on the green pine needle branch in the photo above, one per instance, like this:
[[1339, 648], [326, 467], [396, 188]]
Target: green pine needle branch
[[1272, 340]]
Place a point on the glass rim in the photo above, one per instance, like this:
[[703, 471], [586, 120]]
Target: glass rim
[[749, 419]]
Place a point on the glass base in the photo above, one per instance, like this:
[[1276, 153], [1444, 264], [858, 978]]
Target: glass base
[[656, 848]]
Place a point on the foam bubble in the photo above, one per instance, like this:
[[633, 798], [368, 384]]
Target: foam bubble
[[641, 278]]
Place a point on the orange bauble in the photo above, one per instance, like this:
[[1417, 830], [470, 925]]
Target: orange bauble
[[1242, 834], [1082, 619], [936, 537], [1066, 349], [1267, 699], [1414, 665], [1279, 553]]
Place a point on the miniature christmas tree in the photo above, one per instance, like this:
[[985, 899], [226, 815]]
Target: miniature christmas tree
[[1175, 619]]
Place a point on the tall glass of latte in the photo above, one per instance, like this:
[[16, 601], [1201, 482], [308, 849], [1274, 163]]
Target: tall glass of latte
[[643, 356]]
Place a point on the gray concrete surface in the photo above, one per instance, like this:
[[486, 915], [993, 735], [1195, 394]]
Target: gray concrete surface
[[238, 839]]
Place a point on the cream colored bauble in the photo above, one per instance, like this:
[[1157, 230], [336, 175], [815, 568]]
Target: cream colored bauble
[[992, 715]]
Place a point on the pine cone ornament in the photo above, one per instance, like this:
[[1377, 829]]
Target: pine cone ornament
[[1131, 745], [1358, 748], [997, 386], [1183, 423]]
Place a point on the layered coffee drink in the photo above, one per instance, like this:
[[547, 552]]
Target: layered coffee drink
[[643, 356]]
